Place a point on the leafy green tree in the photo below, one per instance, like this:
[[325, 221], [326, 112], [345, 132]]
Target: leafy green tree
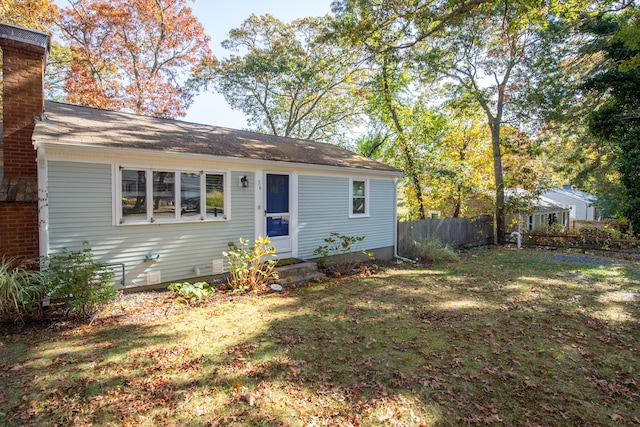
[[629, 36], [492, 57], [287, 80], [412, 128], [461, 176], [386, 34], [617, 119]]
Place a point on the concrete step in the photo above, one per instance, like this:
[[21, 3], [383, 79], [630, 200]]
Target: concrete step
[[300, 272]]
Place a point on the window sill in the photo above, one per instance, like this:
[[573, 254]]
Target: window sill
[[355, 216], [175, 221]]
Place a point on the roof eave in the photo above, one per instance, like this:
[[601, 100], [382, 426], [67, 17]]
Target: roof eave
[[100, 152]]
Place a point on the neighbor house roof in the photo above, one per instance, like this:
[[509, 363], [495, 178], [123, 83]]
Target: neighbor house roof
[[85, 126], [576, 194], [546, 204], [538, 203]]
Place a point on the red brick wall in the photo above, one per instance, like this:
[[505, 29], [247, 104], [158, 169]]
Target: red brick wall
[[23, 100], [19, 230]]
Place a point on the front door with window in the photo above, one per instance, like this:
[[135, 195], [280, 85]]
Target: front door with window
[[277, 212]]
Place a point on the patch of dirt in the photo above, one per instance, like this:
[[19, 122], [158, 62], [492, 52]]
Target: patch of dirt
[[133, 308], [139, 307]]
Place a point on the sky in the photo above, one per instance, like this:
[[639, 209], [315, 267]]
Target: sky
[[218, 17]]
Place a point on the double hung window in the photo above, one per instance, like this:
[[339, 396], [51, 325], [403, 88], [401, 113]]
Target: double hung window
[[150, 195], [359, 195]]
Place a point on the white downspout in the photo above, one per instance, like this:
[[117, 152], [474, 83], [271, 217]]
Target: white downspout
[[43, 202], [395, 217]]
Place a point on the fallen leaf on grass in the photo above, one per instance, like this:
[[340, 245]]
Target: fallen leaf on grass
[[547, 408], [251, 398], [492, 419]]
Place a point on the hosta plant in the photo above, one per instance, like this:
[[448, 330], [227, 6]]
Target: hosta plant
[[191, 292]]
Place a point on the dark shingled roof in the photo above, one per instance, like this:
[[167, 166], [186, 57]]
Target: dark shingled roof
[[18, 189], [71, 124]]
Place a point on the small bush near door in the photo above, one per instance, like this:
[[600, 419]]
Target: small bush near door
[[340, 253]]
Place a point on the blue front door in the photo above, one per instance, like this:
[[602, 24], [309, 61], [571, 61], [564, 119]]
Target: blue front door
[[278, 212]]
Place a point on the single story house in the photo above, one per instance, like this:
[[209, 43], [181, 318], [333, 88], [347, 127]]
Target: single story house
[[531, 211], [163, 198], [582, 204]]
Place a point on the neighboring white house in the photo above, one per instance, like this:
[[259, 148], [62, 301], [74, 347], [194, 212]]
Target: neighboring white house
[[535, 211], [164, 197], [582, 204]]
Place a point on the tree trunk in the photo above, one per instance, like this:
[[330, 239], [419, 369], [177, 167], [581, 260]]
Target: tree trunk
[[457, 204], [411, 168], [499, 181]]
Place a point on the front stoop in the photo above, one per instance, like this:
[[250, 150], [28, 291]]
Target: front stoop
[[300, 272]]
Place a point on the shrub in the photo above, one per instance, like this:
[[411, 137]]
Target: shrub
[[342, 251], [550, 230], [191, 292], [249, 266], [21, 289], [432, 250], [76, 276]]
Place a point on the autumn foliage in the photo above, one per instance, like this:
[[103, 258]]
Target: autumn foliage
[[133, 55], [36, 14]]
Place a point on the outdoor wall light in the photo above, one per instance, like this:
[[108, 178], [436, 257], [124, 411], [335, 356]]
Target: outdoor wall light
[[244, 182], [151, 257]]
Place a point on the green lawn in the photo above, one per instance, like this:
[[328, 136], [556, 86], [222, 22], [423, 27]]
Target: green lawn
[[503, 337]]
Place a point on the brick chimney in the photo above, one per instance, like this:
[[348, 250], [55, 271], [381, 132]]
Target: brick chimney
[[24, 53]]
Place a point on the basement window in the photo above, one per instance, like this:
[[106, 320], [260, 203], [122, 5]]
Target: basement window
[[160, 196]]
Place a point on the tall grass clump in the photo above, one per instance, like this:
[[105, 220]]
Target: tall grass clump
[[433, 251], [21, 289]]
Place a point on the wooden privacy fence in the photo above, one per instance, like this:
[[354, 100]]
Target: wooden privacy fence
[[455, 232]]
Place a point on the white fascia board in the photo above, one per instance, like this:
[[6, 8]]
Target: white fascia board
[[99, 154]]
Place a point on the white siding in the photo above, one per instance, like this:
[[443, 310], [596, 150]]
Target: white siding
[[581, 209], [324, 205], [80, 209]]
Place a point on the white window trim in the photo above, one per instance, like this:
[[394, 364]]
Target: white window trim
[[366, 198], [117, 202]]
